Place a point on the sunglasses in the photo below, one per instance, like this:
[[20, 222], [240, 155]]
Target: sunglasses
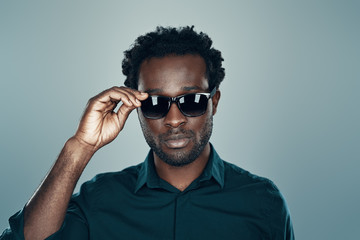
[[190, 105]]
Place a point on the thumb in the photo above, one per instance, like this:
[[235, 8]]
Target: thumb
[[123, 114]]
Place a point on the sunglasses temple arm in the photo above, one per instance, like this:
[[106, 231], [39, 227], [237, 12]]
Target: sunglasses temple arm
[[212, 93]]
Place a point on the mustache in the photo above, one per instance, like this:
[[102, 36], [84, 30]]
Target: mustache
[[172, 132]]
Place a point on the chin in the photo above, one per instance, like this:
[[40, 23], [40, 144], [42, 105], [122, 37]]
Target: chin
[[178, 157]]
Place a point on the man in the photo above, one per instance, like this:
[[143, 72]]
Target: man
[[183, 190]]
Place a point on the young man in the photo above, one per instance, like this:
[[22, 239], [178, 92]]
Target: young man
[[183, 190]]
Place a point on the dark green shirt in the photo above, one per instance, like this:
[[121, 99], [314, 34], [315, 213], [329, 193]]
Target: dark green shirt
[[225, 202]]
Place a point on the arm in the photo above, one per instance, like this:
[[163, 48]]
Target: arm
[[279, 216], [46, 210]]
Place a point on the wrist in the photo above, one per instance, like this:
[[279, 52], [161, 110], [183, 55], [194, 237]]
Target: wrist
[[80, 148]]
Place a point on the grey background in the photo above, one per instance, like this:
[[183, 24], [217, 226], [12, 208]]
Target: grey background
[[289, 109]]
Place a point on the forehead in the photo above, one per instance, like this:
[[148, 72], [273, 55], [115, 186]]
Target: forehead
[[173, 75]]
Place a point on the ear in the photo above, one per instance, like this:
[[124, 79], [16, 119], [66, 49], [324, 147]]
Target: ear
[[215, 100]]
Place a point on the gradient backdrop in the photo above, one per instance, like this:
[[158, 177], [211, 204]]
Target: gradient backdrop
[[290, 99]]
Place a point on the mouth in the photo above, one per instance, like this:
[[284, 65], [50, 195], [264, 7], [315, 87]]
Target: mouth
[[177, 141]]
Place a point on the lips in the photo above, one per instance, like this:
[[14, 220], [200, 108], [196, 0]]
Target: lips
[[177, 141]]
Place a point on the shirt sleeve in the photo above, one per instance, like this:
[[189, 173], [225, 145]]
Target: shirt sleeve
[[73, 227], [15, 231], [279, 217]]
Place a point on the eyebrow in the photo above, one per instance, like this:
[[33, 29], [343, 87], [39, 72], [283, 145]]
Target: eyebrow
[[186, 88], [190, 88]]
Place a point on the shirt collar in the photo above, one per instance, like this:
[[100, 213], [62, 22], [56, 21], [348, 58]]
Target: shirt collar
[[147, 173]]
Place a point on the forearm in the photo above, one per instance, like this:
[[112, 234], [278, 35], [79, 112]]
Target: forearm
[[46, 210]]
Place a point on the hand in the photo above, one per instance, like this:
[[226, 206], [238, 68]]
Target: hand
[[100, 124]]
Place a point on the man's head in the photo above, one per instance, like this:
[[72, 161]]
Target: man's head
[[172, 62], [172, 41]]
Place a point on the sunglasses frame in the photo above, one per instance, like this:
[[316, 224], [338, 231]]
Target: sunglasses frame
[[171, 100]]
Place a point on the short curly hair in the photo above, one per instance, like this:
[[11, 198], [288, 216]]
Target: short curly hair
[[172, 41]]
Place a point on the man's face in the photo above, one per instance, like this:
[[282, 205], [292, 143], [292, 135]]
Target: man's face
[[176, 139]]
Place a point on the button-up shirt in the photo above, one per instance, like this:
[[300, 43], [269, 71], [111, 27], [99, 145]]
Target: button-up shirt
[[225, 202]]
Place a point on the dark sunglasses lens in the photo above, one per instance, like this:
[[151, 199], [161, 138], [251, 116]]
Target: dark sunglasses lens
[[154, 107], [193, 105]]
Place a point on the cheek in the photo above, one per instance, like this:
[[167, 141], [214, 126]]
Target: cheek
[[155, 126], [196, 124], [150, 126]]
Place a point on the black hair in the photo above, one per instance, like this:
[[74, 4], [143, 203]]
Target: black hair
[[172, 41]]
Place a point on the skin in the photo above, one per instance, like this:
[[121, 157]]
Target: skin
[[100, 125], [46, 209], [173, 76]]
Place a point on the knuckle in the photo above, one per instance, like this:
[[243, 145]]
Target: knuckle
[[91, 100]]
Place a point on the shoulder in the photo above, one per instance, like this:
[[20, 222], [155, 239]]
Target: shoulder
[[128, 174], [108, 182], [256, 187], [263, 194], [236, 176]]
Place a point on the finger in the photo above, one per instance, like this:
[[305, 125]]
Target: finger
[[137, 93], [135, 96], [114, 96], [132, 95], [108, 99], [143, 96], [123, 113]]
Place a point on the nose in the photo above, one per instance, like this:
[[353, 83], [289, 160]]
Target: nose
[[174, 118]]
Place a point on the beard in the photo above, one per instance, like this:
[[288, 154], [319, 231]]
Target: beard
[[180, 158]]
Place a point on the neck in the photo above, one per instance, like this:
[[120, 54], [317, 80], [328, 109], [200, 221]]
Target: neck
[[182, 177]]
